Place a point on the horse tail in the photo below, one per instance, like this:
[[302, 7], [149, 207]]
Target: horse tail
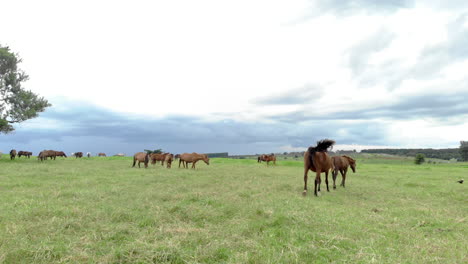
[[324, 144], [134, 161]]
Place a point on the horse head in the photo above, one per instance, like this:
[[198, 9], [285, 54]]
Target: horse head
[[352, 163], [206, 159]]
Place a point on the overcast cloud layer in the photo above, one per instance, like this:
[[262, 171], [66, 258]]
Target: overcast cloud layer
[[243, 77]]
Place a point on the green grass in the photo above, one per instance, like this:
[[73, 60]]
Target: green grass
[[100, 210]]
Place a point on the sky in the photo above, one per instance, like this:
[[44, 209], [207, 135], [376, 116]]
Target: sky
[[242, 77]]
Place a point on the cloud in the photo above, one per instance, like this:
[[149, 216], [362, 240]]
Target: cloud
[[360, 53], [307, 94], [90, 128], [351, 6], [426, 61]]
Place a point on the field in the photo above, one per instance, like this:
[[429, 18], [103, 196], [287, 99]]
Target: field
[[100, 210]]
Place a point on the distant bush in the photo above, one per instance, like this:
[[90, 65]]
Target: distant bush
[[419, 159]]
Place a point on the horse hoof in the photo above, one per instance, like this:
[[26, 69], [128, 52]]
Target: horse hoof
[[304, 193]]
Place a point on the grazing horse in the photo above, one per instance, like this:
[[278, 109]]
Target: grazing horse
[[316, 159], [88, 154], [341, 164], [24, 153], [12, 154], [102, 154], [187, 158], [267, 158], [168, 160], [141, 157], [43, 155], [155, 157], [60, 154], [78, 154]]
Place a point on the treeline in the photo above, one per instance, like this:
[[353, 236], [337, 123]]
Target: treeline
[[446, 154]]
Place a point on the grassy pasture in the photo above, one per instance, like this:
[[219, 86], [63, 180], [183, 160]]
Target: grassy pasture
[[100, 210]]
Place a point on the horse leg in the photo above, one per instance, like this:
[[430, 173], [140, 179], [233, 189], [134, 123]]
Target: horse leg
[[134, 162], [193, 165], [334, 174], [306, 170], [344, 177], [317, 183], [326, 180]]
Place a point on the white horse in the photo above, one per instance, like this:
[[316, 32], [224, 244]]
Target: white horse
[[88, 154]]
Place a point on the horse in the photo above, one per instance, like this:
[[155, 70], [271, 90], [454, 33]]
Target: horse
[[168, 159], [60, 154], [78, 154], [24, 153], [12, 154], [341, 164], [102, 155], [43, 155], [88, 154], [141, 157], [267, 158], [186, 158], [316, 159], [155, 157]]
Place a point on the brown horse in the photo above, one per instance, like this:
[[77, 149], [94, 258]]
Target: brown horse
[[316, 159], [12, 154], [60, 154], [187, 158], [168, 160], [102, 155], [78, 154], [267, 158], [341, 164], [155, 157], [43, 155], [141, 157], [24, 153]]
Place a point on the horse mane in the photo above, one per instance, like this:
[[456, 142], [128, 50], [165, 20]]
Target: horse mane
[[322, 146], [349, 158]]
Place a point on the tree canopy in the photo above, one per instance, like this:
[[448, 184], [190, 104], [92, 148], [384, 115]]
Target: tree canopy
[[16, 103]]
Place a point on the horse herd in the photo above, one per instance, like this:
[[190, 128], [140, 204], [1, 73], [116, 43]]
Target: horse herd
[[184, 159], [20, 153], [52, 154], [316, 159]]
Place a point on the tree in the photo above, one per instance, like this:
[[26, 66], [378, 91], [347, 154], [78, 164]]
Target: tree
[[419, 159], [156, 151], [16, 103], [464, 150]]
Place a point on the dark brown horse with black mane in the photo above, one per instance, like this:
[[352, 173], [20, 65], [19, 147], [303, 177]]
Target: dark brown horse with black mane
[[341, 164], [24, 153], [78, 154], [317, 160], [60, 154]]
